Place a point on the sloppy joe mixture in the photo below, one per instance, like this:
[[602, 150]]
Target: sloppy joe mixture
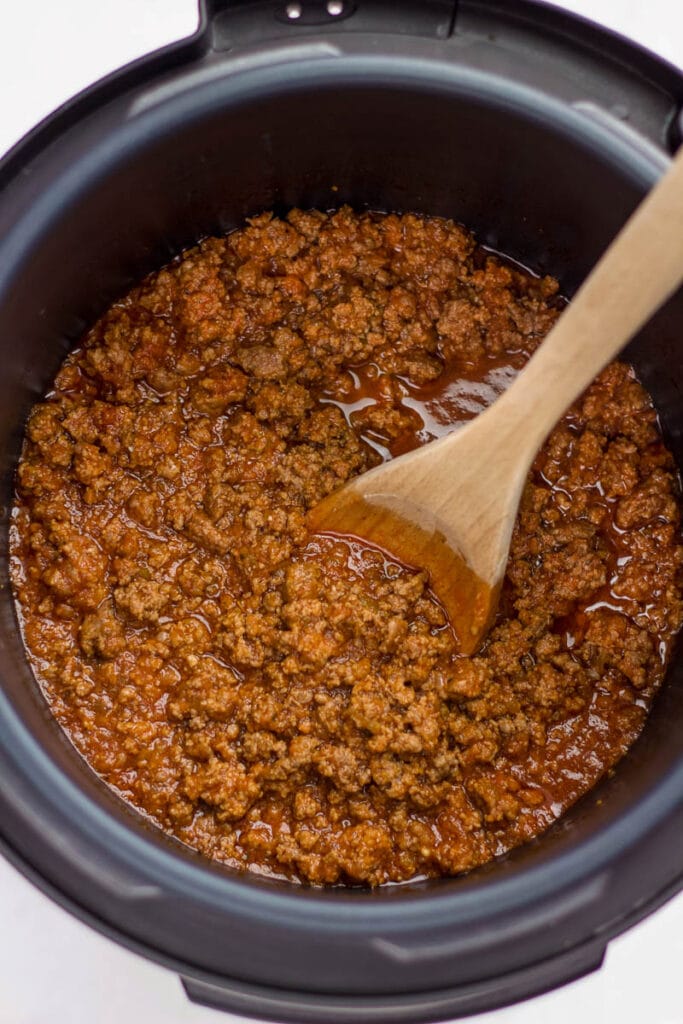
[[293, 704]]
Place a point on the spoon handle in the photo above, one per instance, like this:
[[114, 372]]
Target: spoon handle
[[642, 267]]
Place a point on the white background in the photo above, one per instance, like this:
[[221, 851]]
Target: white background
[[54, 970]]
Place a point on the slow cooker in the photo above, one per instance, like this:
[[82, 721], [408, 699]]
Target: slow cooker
[[540, 132]]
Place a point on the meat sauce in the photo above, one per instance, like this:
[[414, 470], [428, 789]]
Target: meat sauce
[[296, 705]]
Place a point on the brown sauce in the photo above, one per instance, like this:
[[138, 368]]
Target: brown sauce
[[431, 410], [296, 705]]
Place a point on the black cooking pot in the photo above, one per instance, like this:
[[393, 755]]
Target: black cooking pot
[[541, 133]]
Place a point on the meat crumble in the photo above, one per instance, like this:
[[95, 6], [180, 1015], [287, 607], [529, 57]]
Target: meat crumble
[[296, 705]]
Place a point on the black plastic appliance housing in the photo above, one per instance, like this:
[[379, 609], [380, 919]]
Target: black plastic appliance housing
[[539, 131]]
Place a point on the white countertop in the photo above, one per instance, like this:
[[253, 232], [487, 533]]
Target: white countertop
[[55, 970]]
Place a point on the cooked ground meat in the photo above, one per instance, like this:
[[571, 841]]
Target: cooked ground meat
[[294, 704]]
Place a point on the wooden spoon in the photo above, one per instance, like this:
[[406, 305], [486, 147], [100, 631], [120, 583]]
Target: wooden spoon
[[450, 506]]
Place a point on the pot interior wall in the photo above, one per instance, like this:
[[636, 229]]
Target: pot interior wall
[[173, 172]]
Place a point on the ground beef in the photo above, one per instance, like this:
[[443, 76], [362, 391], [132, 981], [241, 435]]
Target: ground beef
[[294, 704]]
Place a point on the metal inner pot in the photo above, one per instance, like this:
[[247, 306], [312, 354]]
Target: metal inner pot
[[506, 123]]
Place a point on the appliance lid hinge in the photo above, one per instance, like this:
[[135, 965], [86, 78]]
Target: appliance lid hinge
[[235, 23]]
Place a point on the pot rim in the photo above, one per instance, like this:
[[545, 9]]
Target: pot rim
[[26, 769]]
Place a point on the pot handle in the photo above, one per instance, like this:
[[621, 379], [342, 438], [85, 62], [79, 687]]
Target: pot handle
[[443, 1004], [232, 23]]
